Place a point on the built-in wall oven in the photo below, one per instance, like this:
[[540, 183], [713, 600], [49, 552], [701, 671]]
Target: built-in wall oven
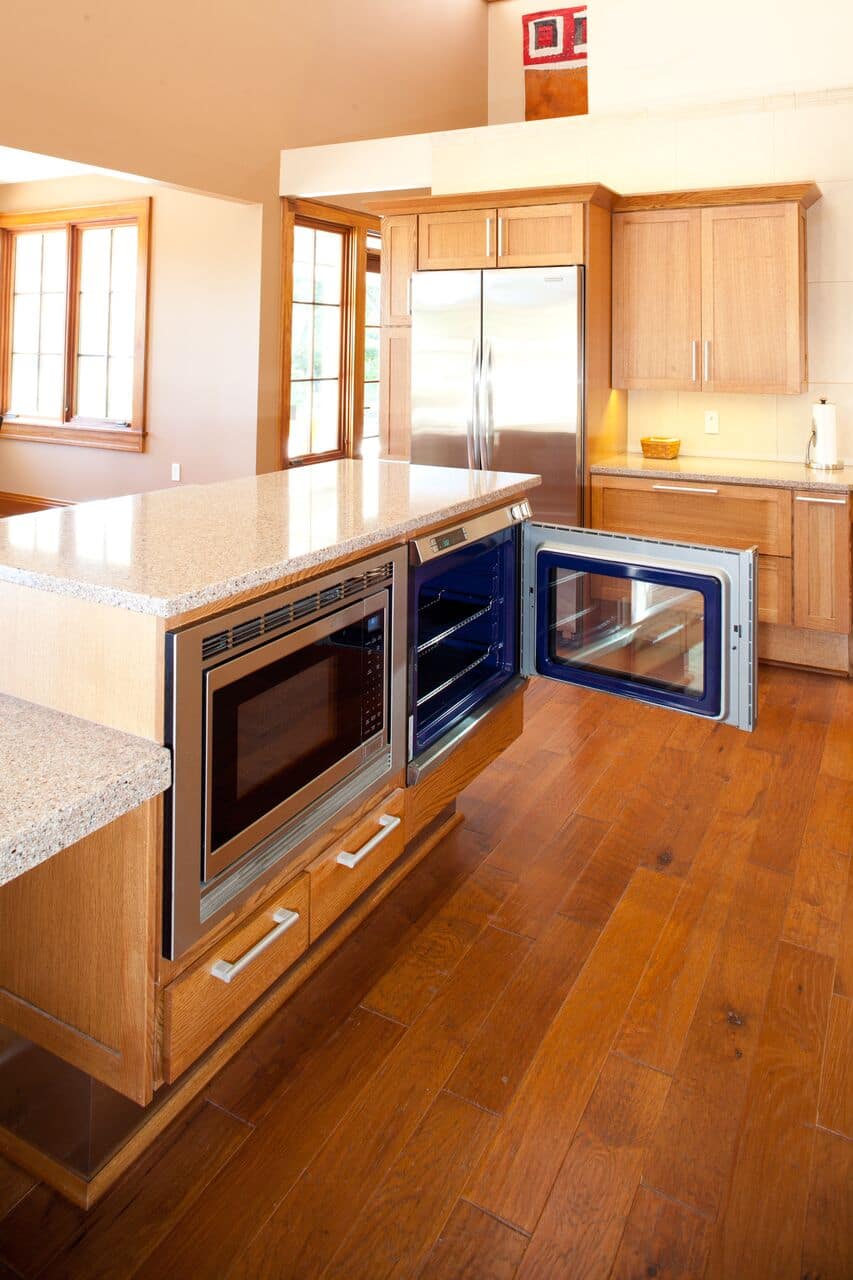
[[499, 598], [280, 715]]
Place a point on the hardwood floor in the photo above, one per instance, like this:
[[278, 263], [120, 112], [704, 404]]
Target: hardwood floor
[[604, 1029]]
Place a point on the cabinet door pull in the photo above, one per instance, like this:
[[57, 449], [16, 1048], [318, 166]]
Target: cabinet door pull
[[694, 348], [830, 502], [409, 296], [682, 488], [488, 237], [706, 360], [387, 824], [500, 237], [283, 920]]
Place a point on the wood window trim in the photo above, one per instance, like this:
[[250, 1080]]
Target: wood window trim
[[354, 226], [72, 430]]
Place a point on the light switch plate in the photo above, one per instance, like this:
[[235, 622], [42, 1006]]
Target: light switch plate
[[176, 470], [712, 422]]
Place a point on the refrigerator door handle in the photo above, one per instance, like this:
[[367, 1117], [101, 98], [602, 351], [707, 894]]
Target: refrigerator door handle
[[474, 416], [488, 428]]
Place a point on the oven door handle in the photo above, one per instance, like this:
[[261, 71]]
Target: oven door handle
[[226, 971], [387, 824]]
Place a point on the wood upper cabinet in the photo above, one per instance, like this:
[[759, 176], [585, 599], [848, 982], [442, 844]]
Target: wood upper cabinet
[[465, 238], [710, 299], [546, 235], [822, 561], [753, 298], [657, 311], [399, 260]]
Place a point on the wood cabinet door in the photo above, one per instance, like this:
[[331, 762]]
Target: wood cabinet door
[[395, 393], [399, 260], [753, 299], [464, 239], [541, 235], [657, 313], [822, 562], [774, 590]]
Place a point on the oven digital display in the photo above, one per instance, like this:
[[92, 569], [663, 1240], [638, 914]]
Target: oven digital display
[[444, 541]]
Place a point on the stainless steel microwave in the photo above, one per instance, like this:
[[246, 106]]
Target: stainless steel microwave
[[280, 715]]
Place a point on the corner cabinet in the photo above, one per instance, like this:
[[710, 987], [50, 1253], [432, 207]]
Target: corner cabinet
[[711, 299]]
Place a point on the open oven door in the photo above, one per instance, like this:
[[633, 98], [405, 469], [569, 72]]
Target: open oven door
[[666, 623]]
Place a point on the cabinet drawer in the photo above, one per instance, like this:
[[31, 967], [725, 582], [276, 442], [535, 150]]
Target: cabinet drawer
[[343, 871], [775, 591], [724, 515], [204, 1001]]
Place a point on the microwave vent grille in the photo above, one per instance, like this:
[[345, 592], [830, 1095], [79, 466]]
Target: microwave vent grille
[[285, 615]]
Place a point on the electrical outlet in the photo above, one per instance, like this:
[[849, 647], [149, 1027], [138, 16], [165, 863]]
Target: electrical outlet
[[712, 422], [176, 471]]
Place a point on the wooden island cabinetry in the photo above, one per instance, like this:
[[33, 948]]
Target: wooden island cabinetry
[[803, 539]]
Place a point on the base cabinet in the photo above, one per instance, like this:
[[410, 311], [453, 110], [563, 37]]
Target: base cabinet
[[822, 562], [804, 541]]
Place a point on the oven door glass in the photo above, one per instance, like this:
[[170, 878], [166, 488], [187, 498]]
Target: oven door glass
[[661, 622], [287, 721]]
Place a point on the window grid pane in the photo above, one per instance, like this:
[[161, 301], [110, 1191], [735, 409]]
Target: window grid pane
[[38, 324], [107, 323], [315, 342]]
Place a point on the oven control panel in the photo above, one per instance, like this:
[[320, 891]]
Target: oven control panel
[[447, 540]]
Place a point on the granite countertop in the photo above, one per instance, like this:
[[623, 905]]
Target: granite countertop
[[63, 778], [783, 475], [171, 551]]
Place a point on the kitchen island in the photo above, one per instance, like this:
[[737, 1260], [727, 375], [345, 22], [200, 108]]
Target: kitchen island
[[89, 596]]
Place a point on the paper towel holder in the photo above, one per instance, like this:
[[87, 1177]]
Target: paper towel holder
[[820, 466]]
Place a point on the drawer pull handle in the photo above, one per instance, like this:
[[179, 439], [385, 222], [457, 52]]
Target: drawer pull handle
[[225, 971], [387, 824], [682, 488], [830, 502]]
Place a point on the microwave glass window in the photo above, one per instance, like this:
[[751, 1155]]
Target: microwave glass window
[[642, 632], [281, 727]]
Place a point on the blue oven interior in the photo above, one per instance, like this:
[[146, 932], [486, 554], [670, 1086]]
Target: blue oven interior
[[648, 633], [464, 633]]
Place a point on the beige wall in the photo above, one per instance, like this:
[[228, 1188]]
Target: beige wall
[[205, 96], [674, 51], [203, 335]]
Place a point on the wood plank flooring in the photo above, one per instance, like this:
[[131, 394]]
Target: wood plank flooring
[[604, 1030]]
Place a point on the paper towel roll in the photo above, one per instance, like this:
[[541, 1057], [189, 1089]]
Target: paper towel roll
[[826, 434]]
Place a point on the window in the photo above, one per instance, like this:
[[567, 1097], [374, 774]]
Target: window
[[315, 357], [372, 322], [330, 331], [72, 337]]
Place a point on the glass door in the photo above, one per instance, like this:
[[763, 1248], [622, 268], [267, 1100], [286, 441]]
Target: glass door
[[661, 622]]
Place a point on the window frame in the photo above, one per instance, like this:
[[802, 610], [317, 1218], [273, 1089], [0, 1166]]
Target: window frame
[[354, 227], [71, 429]]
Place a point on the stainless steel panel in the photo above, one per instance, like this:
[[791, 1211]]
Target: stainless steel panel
[[532, 386], [735, 570], [448, 540], [446, 357]]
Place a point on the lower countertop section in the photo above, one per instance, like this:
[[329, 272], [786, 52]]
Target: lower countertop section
[[61, 778], [781, 475]]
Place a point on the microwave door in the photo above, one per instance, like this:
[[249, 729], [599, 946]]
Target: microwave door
[[660, 622]]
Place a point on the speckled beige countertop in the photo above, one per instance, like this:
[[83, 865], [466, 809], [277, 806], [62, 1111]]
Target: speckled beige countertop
[[167, 552], [62, 778], [785, 475]]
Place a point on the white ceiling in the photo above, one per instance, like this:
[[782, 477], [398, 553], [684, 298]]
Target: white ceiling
[[28, 166]]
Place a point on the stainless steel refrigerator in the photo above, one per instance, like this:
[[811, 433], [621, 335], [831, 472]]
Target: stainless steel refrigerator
[[497, 377]]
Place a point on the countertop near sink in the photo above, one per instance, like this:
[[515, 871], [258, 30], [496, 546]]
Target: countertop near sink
[[62, 778], [785, 475], [168, 552]]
